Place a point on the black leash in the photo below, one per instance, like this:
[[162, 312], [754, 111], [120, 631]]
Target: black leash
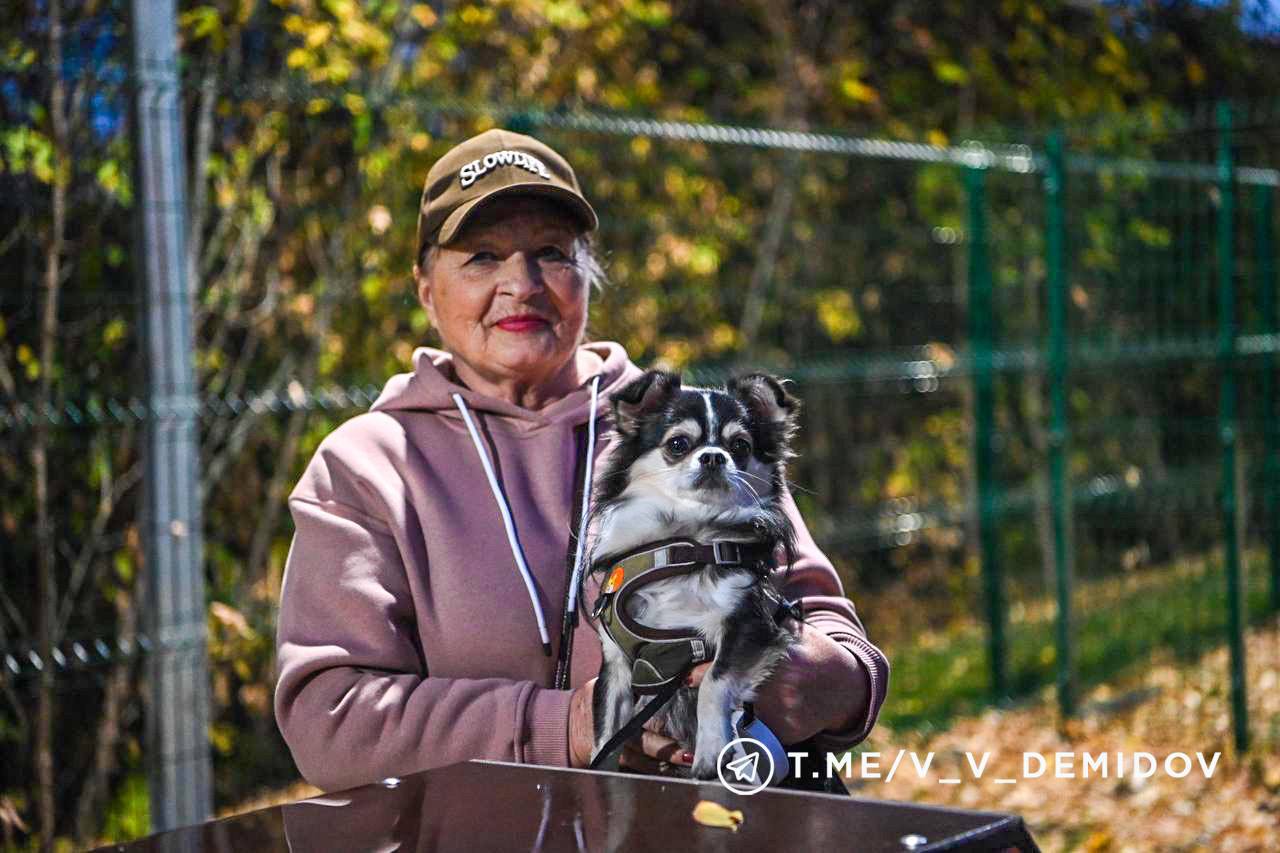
[[631, 729]]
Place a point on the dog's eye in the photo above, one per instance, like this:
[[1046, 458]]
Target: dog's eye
[[677, 445], [740, 448]]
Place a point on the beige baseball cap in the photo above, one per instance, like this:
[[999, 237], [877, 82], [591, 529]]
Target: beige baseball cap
[[494, 163]]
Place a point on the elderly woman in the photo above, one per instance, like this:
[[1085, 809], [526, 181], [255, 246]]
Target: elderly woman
[[423, 619]]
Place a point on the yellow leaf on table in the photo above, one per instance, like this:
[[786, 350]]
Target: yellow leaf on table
[[708, 813]]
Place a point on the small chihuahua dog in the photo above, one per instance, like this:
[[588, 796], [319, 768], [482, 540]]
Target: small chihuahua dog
[[701, 465]]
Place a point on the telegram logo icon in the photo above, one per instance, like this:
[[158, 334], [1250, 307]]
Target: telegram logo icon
[[745, 766]]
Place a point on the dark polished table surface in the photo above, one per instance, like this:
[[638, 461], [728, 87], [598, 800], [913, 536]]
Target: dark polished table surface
[[493, 806]]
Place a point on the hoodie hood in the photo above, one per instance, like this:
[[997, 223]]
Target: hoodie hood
[[431, 386]]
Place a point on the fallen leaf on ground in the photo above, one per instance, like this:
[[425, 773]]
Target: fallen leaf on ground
[[708, 813]]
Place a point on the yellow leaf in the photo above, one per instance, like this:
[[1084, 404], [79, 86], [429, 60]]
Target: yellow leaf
[[114, 332], [950, 72], [838, 315], [423, 14], [856, 90], [1100, 840], [354, 103], [704, 259], [722, 336], [675, 353], [708, 813], [1195, 72], [230, 618], [318, 35]]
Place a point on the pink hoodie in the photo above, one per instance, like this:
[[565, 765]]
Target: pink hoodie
[[407, 636]]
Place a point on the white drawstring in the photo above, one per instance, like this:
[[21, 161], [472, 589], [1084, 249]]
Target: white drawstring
[[586, 498], [509, 523]]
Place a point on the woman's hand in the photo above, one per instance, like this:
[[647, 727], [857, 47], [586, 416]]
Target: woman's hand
[[581, 725], [652, 750], [818, 687], [646, 753]]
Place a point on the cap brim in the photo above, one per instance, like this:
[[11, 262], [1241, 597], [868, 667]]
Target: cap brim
[[576, 204]]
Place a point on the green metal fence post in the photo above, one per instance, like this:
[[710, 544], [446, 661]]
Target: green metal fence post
[[1265, 255], [981, 344], [1059, 496], [1228, 428]]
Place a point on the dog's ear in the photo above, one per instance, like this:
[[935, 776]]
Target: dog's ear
[[643, 397], [767, 401]]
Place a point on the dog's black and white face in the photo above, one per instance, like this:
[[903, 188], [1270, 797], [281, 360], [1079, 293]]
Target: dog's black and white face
[[695, 456]]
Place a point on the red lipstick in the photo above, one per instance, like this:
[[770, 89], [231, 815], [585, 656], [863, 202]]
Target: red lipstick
[[521, 323]]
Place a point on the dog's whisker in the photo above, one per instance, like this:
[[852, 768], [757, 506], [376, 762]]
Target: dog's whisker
[[793, 486], [740, 477], [735, 477], [747, 476], [757, 477]]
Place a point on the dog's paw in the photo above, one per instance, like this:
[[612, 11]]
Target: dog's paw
[[705, 758], [704, 768]]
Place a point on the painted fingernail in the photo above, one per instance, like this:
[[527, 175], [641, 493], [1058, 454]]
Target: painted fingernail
[[686, 757]]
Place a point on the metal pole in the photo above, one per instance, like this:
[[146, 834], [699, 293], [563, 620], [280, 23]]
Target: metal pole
[[981, 342], [178, 715], [1059, 496], [1265, 254], [1228, 428]]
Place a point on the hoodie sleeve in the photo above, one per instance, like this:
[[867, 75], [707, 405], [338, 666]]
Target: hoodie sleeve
[[353, 699], [814, 582]]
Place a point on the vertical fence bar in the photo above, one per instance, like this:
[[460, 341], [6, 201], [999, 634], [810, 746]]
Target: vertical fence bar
[[1265, 264], [178, 760], [1228, 427], [981, 344], [1059, 496]]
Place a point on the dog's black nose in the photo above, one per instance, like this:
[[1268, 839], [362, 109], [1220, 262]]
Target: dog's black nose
[[712, 459]]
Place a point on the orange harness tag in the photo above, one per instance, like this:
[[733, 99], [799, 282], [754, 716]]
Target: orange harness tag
[[614, 581]]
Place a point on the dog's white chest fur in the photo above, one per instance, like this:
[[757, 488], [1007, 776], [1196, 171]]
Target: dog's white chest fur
[[700, 601]]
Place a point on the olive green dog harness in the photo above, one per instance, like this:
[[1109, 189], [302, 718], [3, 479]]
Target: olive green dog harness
[[658, 656]]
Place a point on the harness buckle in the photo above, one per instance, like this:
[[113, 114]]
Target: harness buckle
[[726, 553]]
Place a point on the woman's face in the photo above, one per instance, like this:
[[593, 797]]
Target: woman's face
[[506, 294]]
